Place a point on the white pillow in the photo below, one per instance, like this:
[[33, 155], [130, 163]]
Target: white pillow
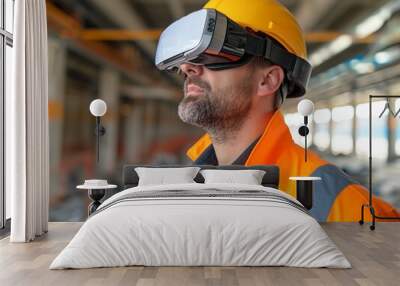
[[248, 177], [162, 176]]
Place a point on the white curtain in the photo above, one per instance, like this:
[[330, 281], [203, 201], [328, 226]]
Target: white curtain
[[27, 142]]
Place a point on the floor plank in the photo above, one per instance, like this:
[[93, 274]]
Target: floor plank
[[375, 257]]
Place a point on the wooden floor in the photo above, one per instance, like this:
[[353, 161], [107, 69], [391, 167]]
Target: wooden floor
[[374, 255]]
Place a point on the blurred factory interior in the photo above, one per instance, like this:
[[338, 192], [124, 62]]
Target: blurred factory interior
[[105, 49]]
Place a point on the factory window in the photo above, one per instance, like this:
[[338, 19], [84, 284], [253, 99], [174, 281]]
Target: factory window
[[322, 117], [342, 130], [379, 130], [6, 62]]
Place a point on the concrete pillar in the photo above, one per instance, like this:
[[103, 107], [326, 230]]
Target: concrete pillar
[[330, 131], [354, 126], [109, 92], [391, 124], [170, 123], [134, 131], [394, 89], [160, 120], [157, 120], [57, 54], [312, 131], [149, 122]]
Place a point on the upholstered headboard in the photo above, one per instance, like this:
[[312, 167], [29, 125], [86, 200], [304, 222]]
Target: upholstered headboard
[[271, 178]]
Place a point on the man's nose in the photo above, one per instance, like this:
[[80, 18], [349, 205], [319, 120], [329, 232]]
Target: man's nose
[[191, 69]]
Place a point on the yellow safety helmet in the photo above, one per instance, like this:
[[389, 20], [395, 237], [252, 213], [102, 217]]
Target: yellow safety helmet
[[267, 16]]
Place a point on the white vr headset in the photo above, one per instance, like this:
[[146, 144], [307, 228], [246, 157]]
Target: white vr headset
[[207, 37]]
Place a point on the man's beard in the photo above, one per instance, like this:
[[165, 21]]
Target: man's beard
[[221, 112]]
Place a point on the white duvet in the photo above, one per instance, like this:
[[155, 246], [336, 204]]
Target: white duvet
[[183, 231]]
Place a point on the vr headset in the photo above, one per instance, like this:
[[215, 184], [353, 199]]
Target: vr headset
[[207, 37]]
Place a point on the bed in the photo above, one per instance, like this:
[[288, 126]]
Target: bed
[[201, 224]]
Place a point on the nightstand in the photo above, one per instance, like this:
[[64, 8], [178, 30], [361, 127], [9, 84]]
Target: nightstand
[[96, 192], [304, 190]]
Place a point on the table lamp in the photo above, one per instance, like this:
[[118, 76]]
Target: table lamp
[[96, 188], [98, 108]]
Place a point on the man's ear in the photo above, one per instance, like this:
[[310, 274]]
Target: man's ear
[[270, 79]]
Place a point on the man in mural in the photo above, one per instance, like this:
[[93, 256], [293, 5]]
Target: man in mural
[[236, 100]]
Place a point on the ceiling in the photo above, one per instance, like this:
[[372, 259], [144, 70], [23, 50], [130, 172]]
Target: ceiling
[[313, 16]]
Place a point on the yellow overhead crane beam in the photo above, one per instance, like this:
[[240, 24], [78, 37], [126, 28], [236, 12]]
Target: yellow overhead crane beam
[[118, 35], [330, 36], [153, 34], [69, 27]]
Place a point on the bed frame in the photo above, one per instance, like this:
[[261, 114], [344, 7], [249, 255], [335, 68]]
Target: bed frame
[[271, 178]]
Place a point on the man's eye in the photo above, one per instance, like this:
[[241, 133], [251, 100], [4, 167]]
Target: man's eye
[[172, 70], [181, 73], [176, 70]]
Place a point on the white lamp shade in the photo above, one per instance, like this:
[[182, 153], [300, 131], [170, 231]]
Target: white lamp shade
[[305, 107], [98, 107]]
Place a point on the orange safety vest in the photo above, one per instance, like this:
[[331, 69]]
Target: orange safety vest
[[336, 197]]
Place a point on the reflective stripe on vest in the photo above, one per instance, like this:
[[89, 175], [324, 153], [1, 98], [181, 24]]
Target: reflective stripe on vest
[[325, 191]]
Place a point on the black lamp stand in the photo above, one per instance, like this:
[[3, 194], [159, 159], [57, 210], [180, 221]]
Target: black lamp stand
[[100, 131], [303, 131], [96, 195], [304, 193]]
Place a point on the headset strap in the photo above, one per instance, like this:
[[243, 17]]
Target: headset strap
[[297, 69], [265, 47]]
